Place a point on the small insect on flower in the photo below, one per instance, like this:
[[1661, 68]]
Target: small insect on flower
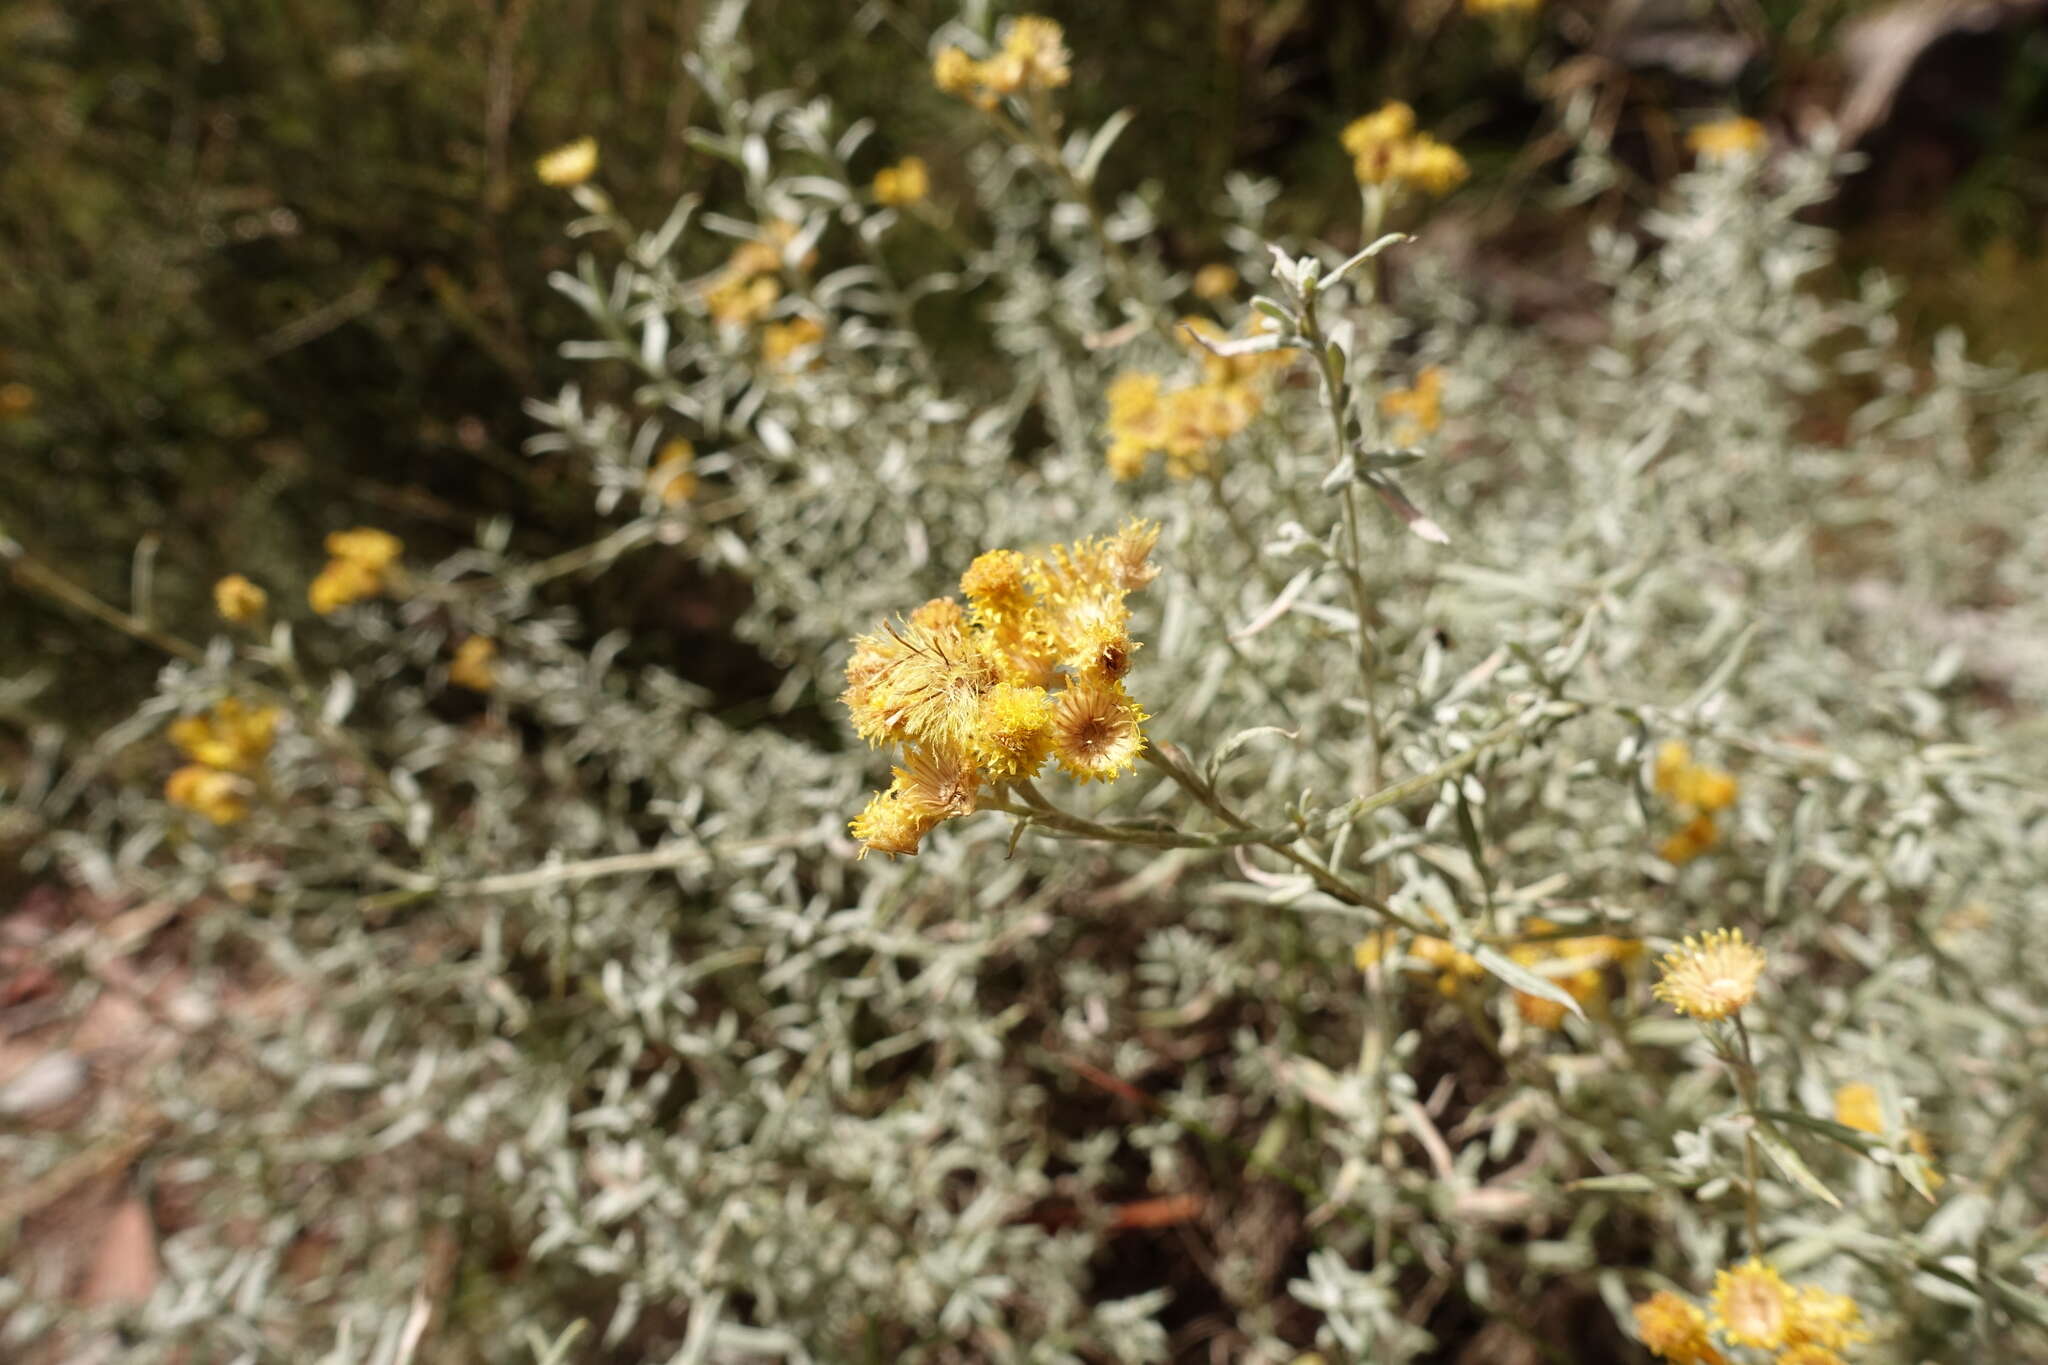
[[238, 600], [1674, 1329], [1711, 977], [570, 164]]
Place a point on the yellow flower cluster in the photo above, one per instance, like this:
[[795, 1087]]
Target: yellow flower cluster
[[1419, 410], [968, 693], [906, 182], [782, 342], [358, 566], [224, 748], [1502, 6], [1386, 150], [1728, 139], [1713, 976], [750, 281], [570, 164], [1578, 964], [471, 666], [1186, 424], [1699, 792], [1753, 1307], [672, 478], [238, 600], [16, 400], [1857, 1106], [1033, 57]]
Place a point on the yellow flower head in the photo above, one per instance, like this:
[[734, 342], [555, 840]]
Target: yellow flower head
[[671, 478], [954, 72], [1038, 48], [570, 164], [1823, 1321], [1690, 840], [375, 550], [1431, 166], [940, 783], [343, 581], [1752, 1305], [238, 600], [1856, 1106], [471, 667], [1013, 735], [1675, 1330], [998, 590], [16, 400], [906, 182], [217, 795], [889, 824], [1673, 762], [1725, 140], [781, 342], [1390, 123], [1214, 281], [235, 738], [1711, 977], [1097, 730], [922, 684], [1502, 6], [1418, 410]]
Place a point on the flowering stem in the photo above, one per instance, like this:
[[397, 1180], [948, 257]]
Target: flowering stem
[[1329, 367], [1745, 1085]]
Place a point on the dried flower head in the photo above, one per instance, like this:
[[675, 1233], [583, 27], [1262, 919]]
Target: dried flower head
[[1711, 977], [238, 600], [1674, 1329], [1097, 730], [1752, 1305], [570, 164]]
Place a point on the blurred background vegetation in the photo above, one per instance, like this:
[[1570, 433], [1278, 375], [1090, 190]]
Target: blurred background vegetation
[[276, 266]]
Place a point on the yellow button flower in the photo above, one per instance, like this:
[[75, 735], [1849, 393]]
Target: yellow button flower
[[570, 164], [238, 600], [1711, 977], [906, 182]]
